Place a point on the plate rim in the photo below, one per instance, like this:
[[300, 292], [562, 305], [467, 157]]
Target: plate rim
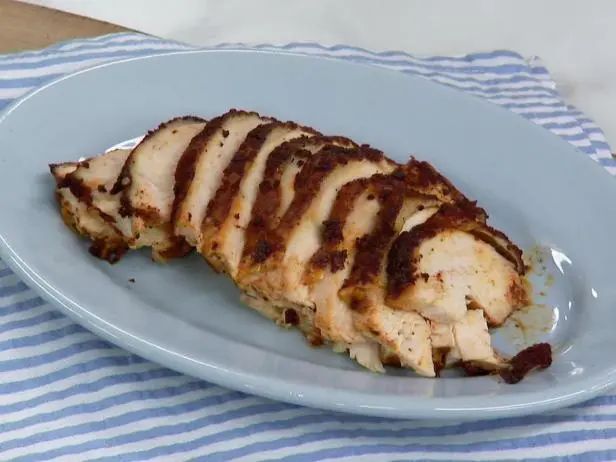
[[442, 408]]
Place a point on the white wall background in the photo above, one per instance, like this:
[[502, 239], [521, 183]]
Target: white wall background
[[576, 39]]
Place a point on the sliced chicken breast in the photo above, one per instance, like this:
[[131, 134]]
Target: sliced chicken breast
[[146, 187], [389, 263], [363, 291], [450, 261], [79, 188], [277, 189], [352, 216], [200, 169], [229, 211], [279, 265]]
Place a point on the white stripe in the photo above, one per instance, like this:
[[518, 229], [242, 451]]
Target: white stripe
[[13, 93]]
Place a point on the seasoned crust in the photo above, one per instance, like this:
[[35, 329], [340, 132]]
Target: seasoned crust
[[267, 207], [426, 179], [185, 170], [107, 243], [393, 192], [308, 183], [124, 179], [229, 211], [145, 187], [402, 269], [201, 167], [219, 206]]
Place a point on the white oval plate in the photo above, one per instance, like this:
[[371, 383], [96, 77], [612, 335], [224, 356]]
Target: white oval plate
[[537, 188]]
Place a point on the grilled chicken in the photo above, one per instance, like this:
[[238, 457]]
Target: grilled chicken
[[390, 263], [200, 169], [452, 260], [145, 187], [81, 188], [228, 213]]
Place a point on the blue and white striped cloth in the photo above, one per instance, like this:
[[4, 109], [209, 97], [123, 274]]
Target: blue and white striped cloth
[[67, 395]]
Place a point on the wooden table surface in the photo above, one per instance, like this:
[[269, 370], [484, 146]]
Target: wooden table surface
[[26, 27]]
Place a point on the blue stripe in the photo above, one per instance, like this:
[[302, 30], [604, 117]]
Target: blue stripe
[[40, 339], [552, 126], [30, 322], [83, 388], [11, 365], [5, 272], [96, 51], [131, 397], [70, 371], [12, 290], [589, 456], [535, 104], [607, 162], [586, 149], [62, 46], [526, 98], [298, 422], [544, 440], [577, 137], [40, 80], [599, 401], [465, 59], [144, 435], [478, 89], [28, 82], [434, 73], [19, 307], [126, 419], [390, 449]]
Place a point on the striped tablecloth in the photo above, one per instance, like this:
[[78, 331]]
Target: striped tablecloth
[[67, 395]]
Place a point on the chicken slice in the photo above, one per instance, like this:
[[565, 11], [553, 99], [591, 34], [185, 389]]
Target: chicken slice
[[352, 216], [229, 211], [200, 169], [278, 266], [467, 340], [425, 179], [363, 291], [277, 188], [473, 342], [79, 185], [146, 187], [451, 261]]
